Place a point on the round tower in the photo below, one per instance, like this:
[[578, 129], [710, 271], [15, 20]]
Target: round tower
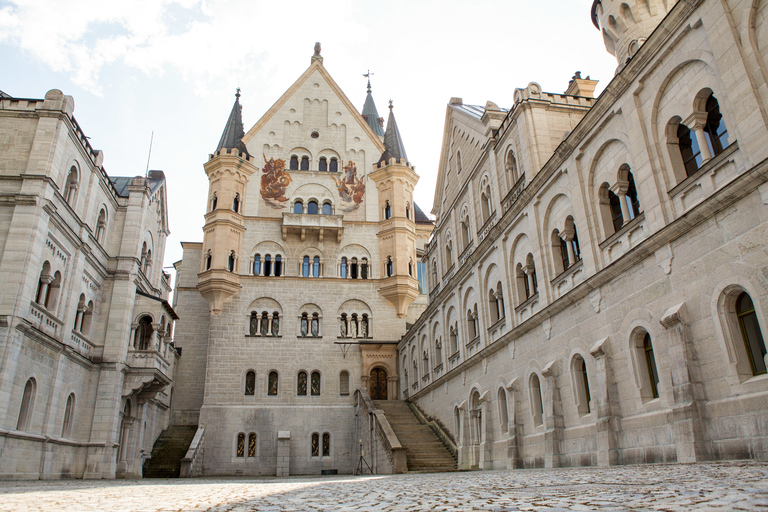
[[625, 24]]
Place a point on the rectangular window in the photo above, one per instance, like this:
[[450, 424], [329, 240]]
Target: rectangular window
[[421, 272]]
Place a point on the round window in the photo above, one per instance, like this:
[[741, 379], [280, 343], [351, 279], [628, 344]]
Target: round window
[[314, 135]]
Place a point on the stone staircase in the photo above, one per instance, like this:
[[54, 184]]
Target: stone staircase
[[426, 452], [169, 449]]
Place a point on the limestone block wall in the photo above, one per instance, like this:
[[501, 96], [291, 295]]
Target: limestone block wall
[[672, 269]]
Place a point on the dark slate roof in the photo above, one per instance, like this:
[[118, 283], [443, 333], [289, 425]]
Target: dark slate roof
[[420, 216], [371, 115], [234, 131], [393, 143], [4, 95], [121, 183]]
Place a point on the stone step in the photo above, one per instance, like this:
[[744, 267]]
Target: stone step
[[169, 448]]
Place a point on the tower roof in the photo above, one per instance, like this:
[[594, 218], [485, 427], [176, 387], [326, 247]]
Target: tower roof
[[370, 113], [393, 143], [234, 131]]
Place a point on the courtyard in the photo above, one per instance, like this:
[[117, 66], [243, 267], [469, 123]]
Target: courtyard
[[741, 485]]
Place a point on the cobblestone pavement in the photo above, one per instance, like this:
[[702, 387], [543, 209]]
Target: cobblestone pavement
[[708, 486]]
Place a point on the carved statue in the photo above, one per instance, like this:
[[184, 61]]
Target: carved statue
[[303, 325], [317, 49], [343, 327], [315, 327], [254, 325]]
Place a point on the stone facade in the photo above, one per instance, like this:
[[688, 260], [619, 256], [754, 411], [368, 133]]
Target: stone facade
[[301, 286], [598, 272], [86, 366]]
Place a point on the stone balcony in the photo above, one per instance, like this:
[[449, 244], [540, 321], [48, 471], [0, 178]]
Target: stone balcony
[[147, 374], [44, 321], [303, 223]]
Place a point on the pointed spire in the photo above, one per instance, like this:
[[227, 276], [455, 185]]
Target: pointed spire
[[370, 114], [234, 131], [393, 143]]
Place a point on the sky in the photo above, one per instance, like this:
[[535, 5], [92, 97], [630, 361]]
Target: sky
[[171, 67]]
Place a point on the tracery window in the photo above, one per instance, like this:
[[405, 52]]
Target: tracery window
[[272, 383], [250, 382], [315, 383], [301, 384], [240, 445], [326, 444], [251, 444], [70, 188], [315, 447]]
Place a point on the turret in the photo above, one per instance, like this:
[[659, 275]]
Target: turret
[[369, 113], [228, 170], [395, 180], [625, 24]]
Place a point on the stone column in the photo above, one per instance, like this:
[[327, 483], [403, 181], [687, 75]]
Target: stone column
[[392, 388], [79, 318], [486, 432], [283, 453], [46, 282], [269, 325], [606, 426], [528, 270], [620, 189], [553, 418], [697, 122], [514, 427], [567, 235], [462, 437], [154, 340], [686, 386]]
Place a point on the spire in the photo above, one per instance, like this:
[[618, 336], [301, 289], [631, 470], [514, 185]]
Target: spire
[[233, 131], [370, 114], [393, 143]]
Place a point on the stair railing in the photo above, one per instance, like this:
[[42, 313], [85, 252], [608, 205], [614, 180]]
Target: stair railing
[[386, 435], [438, 429], [192, 463]]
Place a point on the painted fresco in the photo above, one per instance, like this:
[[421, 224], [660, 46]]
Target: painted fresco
[[351, 188], [274, 181]]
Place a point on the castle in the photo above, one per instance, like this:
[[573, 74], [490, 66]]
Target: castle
[[593, 291]]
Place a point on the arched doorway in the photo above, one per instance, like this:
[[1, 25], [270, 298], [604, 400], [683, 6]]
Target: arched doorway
[[378, 384]]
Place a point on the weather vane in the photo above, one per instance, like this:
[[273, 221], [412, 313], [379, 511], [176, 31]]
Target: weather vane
[[368, 76], [390, 104]]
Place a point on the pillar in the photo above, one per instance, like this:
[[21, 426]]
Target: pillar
[[606, 426], [553, 418], [514, 427]]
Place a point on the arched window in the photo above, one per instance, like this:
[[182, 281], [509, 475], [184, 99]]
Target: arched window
[[580, 381], [344, 383], [253, 324], [312, 208], [298, 207], [315, 383], [304, 327], [240, 445], [326, 444], [231, 262], [485, 203], [301, 384], [449, 255], [334, 165], [305, 267], [343, 325], [43, 284], [70, 187], [264, 323], [523, 289], [633, 202], [275, 324], [85, 322], [689, 149], [305, 163], [511, 167], [250, 382], [294, 164], [389, 266], [143, 337], [316, 266], [257, 264], [534, 282], [252, 444], [353, 268], [214, 201], [387, 210], [438, 352], [315, 325], [101, 226], [364, 268], [616, 216], [715, 131], [465, 231], [278, 266], [458, 162], [208, 259], [457, 421], [751, 334], [236, 203], [267, 265], [272, 383], [494, 306], [474, 331], [66, 428], [315, 444], [650, 366], [27, 405], [537, 408], [327, 208], [501, 397], [559, 252], [148, 262], [407, 212], [454, 339], [323, 165], [343, 268]]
